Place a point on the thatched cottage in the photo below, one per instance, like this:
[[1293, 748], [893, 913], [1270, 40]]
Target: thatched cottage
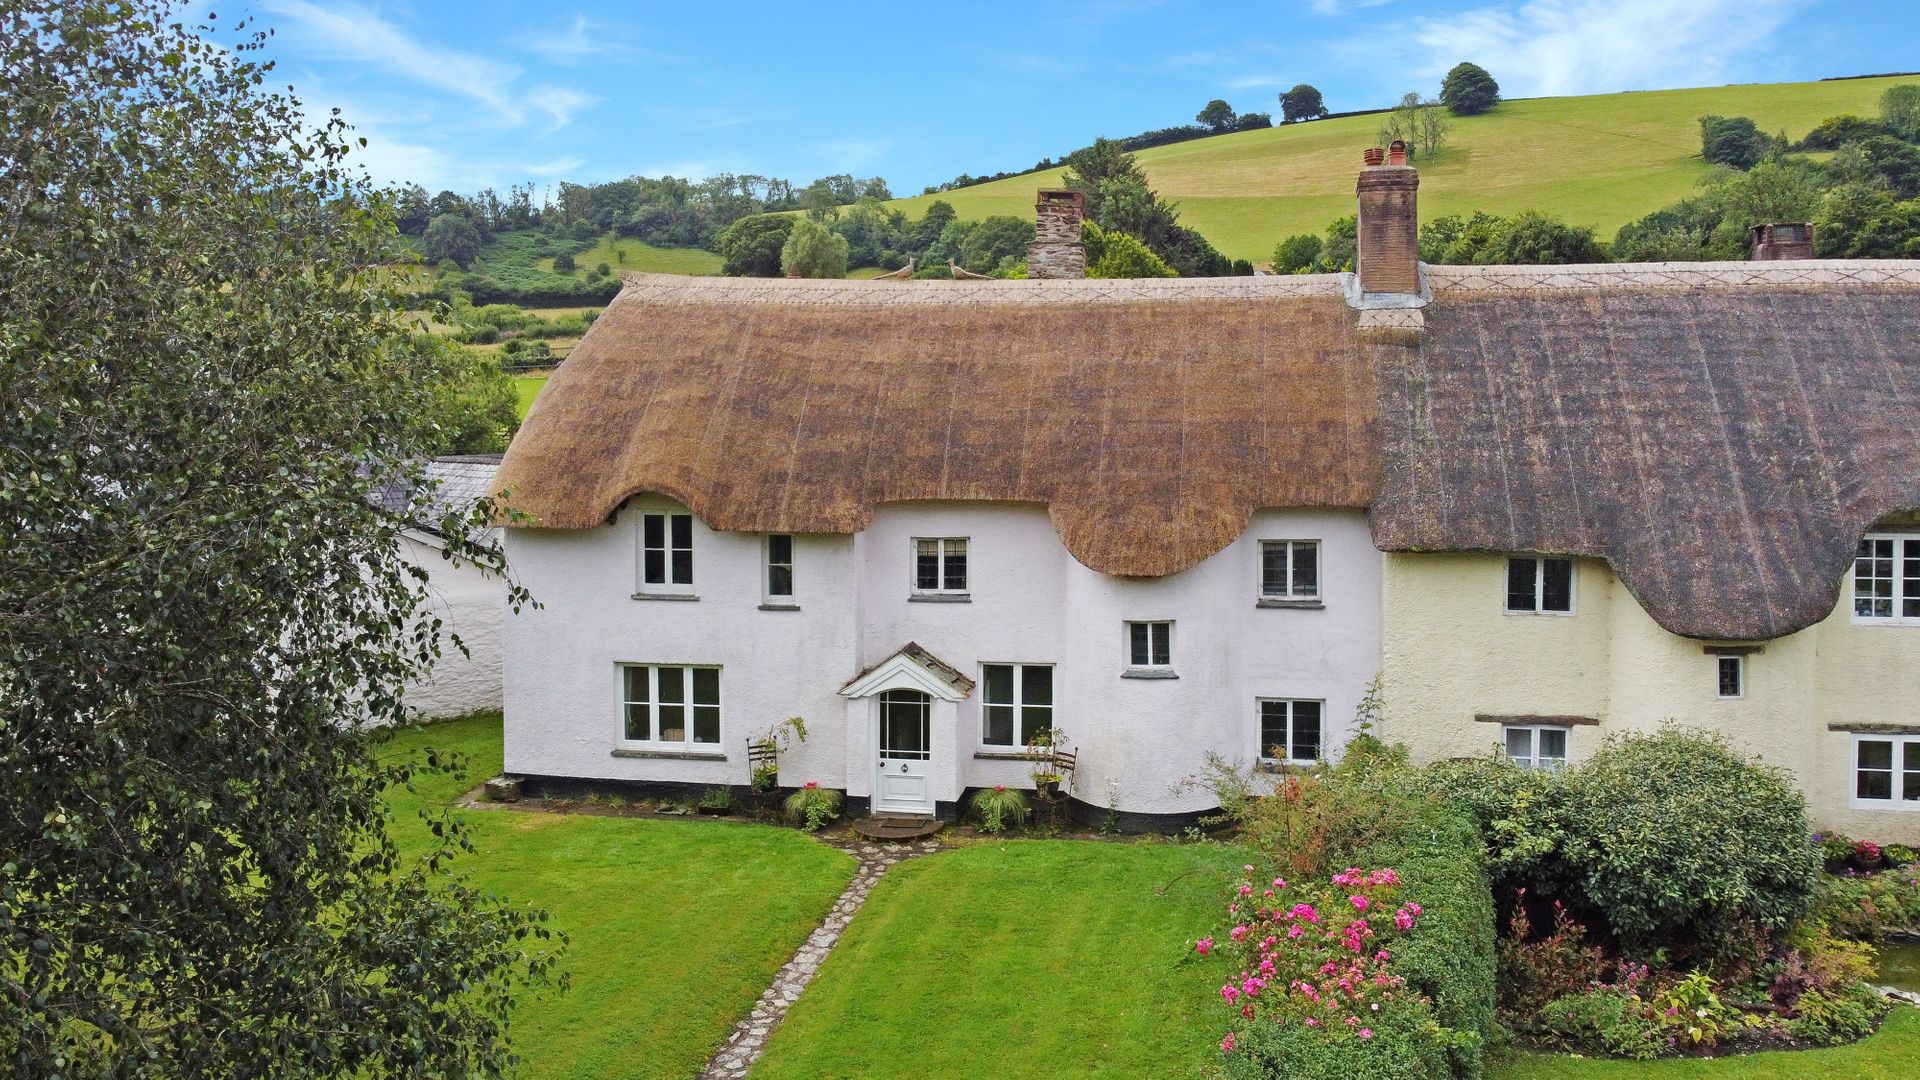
[[1183, 517]]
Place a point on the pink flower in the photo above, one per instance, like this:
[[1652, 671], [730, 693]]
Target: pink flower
[[1312, 1022], [1279, 883], [1246, 890], [813, 783], [1415, 908], [1403, 920], [1226, 1044], [1239, 933], [1229, 992], [1203, 945], [1359, 902], [1367, 1033]]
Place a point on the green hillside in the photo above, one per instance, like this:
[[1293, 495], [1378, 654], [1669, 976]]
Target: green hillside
[[1601, 160]]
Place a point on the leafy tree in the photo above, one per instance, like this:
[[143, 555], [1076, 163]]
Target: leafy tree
[[1253, 121], [1117, 255], [204, 381], [1303, 102], [451, 238], [563, 263], [1342, 246], [994, 240], [811, 251], [1217, 115], [1420, 124], [1468, 90], [927, 230], [820, 201], [474, 408], [1733, 140], [411, 212], [1118, 198], [1682, 232], [872, 231], [751, 246], [1837, 131], [1531, 237], [1862, 221], [1900, 110], [1774, 190], [1297, 254], [1879, 159]]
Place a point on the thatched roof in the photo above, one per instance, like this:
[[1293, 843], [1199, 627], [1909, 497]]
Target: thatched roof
[[1721, 433]]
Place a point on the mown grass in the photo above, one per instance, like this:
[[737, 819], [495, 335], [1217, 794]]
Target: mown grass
[[621, 253], [1027, 958], [526, 388], [677, 927], [1891, 1054], [1600, 160]]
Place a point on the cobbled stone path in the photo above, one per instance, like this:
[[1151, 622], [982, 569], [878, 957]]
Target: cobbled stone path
[[749, 1038]]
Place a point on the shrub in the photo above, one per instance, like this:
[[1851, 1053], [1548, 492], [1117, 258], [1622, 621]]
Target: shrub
[[1833, 1017], [1533, 973], [1733, 140], [1900, 110], [1608, 1018], [811, 251], [813, 806], [1836, 131], [1401, 1044], [998, 807], [1867, 907], [1121, 256], [1469, 90], [1296, 254], [1533, 238], [563, 263], [603, 269], [751, 246]]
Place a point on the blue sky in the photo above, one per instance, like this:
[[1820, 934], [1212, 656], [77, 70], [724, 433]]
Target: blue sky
[[478, 93]]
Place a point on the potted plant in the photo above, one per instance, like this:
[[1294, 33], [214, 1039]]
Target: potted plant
[[1040, 746], [1865, 856], [716, 802], [1836, 851], [998, 807], [813, 806]]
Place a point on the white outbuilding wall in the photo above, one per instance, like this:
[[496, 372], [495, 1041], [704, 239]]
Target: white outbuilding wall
[[471, 604], [1029, 601]]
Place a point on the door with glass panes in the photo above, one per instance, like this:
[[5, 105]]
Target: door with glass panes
[[903, 782]]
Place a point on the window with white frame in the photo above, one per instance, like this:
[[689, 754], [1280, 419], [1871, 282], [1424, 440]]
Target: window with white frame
[[1290, 731], [1537, 746], [940, 565], [1539, 585], [1150, 644], [1886, 579], [779, 580], [1016, 703], [670, 706], [1886, 771], [666, 552], [1732, 672], [1290, 569]]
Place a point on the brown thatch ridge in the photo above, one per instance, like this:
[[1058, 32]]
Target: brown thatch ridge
[[1151, 427], [1723, 449]]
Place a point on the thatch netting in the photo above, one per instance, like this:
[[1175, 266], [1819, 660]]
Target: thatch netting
[[1723, 449], [1151, 427]]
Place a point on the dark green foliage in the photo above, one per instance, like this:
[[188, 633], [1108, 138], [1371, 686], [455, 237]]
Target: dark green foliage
[[1117, 255], [1118, 199], [602, 269], [1402, 1047], [1297, 254], [751, 246], [811, 251], [1253, 121], [1218, 116], [204, 380], [1303, 102], [1863, 221], [451, 238], [411, 210], [1242, 268], [1530, 238], [1468, 90], [927, 230], [1900, 110], [999, 808], [1342, 244], [994, 241], [1880, 160], [1733, 140], [563, 263], [871, 231], [1678, 233], [1837, 131], [475, 409]]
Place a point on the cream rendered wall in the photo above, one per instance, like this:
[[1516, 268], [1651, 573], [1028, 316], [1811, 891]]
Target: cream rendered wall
[[1030, 602], [1450, 652], [471, 604]]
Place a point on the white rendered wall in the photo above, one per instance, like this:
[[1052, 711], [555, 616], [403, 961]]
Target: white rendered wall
[[468, 603], [1030, 602]]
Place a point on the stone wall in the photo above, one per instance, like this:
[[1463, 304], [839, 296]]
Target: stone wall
[[1056, 251]]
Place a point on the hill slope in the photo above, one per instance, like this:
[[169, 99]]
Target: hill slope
[[1601, 160]]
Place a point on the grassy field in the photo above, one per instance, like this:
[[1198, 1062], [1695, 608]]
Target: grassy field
[[677, 926], [526, 388], [620, 253], [1601, 160]]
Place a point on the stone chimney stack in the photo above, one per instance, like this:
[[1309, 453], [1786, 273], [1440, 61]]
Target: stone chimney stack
[[1389, 256], [1781, 240], [1056, 251]]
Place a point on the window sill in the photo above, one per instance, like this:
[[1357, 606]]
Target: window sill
[[779, 607], [1148, 673], [1269, 765], [677, 755], [665, 596], [1294, 605], [1007, 755], [940, 598], [1550, 614]]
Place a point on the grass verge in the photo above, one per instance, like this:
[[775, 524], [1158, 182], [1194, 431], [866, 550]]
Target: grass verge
[[1893, 1053]]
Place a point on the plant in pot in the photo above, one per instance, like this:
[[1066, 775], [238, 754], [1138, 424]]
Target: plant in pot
[[1836, 851], [716, 802], [1866, 856], [1040, 746], [813, 806], [998, 807], [765, 776]]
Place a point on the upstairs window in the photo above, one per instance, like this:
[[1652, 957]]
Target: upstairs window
[[1886, 580], [670, 706], [940, 565], [1536, 746], [779, 583], [1886, 771], [1150, 644], [1733, 675], [1290, 731], [1290, 569], [1016, 703], [1540, 586], [666, 552]]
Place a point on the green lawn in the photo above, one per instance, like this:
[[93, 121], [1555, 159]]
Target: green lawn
[[1892, 1054], [677, 926], [1018, 959], [1601, 160], [526, 388], [642, 256]]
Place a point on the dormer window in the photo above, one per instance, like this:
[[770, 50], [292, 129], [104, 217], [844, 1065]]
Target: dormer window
[[940, 567], [666, 554], [1537, 585], [1886, 579]]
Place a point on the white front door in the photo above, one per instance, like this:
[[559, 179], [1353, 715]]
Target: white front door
[[902, 780]]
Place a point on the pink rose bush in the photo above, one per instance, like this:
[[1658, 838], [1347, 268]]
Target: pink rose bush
[[1317, 956]]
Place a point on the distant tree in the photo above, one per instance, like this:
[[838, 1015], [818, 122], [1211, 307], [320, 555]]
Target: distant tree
[[1455, 241], [1297, 254], [1777, 189], [1733, 140], [412, 210], [1531, 237], [751, 246], [563, 263], [451, 237], [1117, 255], [1863, 221], [1880, 159], [871, 229], [1303, 102], [448, 203], [819, 201], [1468, 90], [1218, 115], [874, 188], [1118, 198], [1343, 244], [811, 251], [1430, 127], [475, 408], [1836, 131], [928, 229], [1253, 121], [1900, 110], [994, 240], [1681, 232]]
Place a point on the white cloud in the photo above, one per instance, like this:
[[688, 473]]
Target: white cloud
[[1263, 82], [570, 163], [1553, 47], [1336, 7], [357, 33], [569, 44], [559, 102]]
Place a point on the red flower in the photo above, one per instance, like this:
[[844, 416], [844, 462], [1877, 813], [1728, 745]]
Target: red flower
[[813, 783]]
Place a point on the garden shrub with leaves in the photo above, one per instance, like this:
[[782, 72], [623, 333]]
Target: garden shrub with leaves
[[999, 807], [812, 806]]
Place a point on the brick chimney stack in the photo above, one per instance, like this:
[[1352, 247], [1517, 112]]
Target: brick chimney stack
[[1056, 251], [1781, 240], [1389, 223]]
